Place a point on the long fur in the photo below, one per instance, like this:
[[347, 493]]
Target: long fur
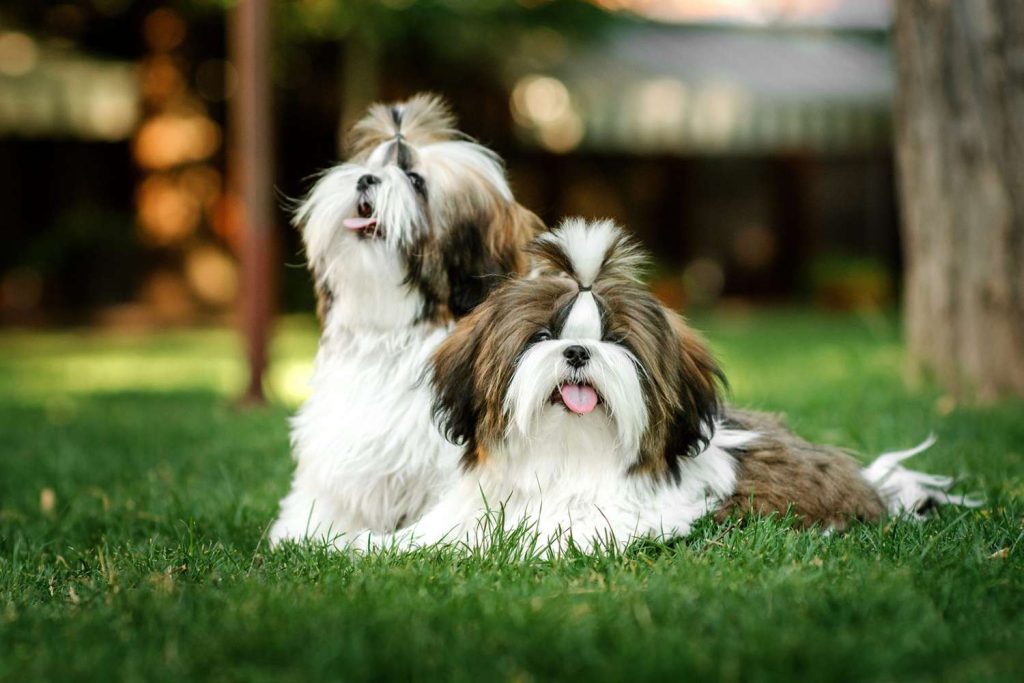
[[656, 453], [436, 229]]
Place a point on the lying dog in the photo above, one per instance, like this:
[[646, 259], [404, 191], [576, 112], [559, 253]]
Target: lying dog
[[591, 413]]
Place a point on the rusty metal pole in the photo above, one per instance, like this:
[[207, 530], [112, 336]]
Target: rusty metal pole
[[252, 168]]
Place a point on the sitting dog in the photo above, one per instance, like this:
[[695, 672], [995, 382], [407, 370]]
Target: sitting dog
[[405, 237], [589, 411]]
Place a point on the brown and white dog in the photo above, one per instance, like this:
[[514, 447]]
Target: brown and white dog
[[409, 234], [589, 411]]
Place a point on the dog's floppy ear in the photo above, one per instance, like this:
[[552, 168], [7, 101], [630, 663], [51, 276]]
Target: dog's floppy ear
[[479, 256], [700, 381], [514, 226], [455, 409]]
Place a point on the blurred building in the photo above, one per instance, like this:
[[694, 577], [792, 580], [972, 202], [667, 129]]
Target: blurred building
[[751, 150], [747, 143]]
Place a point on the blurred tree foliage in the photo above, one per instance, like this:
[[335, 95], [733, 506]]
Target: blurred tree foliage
[[457, 29], [453, 39], [453, 28]]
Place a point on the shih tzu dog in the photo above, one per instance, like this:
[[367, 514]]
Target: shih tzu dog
[[586, 409], [408, 235]]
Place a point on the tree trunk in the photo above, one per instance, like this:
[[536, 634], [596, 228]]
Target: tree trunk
[[252, 124], [960, 149]]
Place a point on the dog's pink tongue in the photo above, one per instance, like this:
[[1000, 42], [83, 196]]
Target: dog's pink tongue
[[579, 398], [359, 223]]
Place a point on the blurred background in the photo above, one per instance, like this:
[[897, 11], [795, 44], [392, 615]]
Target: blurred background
[[747, 143]]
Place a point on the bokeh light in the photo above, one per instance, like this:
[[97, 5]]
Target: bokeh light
[[703, 281], [161, 79], [168, 140], [167, 211], [544, 104], [19, 54], [212, 274], [164, 29], [21, 289]]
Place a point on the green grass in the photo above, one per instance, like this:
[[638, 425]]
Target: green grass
[[133, 498]]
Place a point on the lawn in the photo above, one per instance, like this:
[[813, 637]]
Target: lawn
[[134, 496]]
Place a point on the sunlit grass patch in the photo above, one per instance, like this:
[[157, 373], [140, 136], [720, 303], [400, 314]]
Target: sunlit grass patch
[[75, 363]]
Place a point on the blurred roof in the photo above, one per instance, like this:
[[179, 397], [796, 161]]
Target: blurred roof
[[713, 89], [784, 65], [845, 14]]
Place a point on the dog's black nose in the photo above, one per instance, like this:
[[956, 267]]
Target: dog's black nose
[[576, 355], [365, 182]]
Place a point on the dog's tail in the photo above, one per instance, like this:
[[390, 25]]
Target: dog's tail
[[588, 251], [421, 120], [911, 493]]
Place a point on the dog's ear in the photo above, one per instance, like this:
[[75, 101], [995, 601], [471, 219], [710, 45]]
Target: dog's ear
[[480, 254], [455, 408], [514, 226], [700, 382]]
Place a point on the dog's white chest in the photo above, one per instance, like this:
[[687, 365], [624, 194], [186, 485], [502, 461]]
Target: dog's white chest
[[368, 454], [365, 398]]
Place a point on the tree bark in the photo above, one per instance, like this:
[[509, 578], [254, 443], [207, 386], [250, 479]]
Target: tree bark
[[960, 150]]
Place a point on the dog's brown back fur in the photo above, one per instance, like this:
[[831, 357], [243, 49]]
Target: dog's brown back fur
[[779, 471]]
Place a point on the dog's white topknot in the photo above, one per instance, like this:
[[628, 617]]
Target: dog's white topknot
[[589, 250], [423, 119]]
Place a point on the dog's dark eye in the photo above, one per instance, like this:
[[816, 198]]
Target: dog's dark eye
[[418, 183], [540, 336]]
